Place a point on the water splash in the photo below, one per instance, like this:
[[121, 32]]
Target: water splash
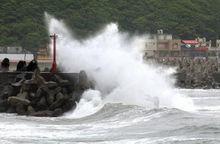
[[90, 103], [113, 60]]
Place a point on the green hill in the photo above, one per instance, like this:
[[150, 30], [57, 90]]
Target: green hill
[[22, 21]]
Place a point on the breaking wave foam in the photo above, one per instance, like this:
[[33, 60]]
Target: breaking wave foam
[[114, 61]]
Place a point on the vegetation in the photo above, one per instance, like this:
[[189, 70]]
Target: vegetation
[[22, 21]]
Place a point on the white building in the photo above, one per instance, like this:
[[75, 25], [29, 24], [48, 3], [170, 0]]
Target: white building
[[17, 57], [15, 54], [11, 49], [158, 44]]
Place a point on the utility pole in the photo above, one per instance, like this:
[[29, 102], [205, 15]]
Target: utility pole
[[54, 64]]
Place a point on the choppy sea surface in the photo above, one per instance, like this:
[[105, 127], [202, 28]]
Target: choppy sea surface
[[117, 123]]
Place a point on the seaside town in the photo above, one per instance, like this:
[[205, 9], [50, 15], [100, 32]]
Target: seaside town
[[160, 46], [110, 71], [196, 60]]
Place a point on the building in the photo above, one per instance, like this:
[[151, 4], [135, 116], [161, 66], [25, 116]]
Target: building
[[197, 48], [14, 58], [11, 49], [214, 52], [43, 54], [188, 48], [158, 45], [44, 58], [150, 46], [175, 50], [162, 45], [15, 54]]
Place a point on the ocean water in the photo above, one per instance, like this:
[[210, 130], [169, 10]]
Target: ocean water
[[133, 102], [118, 123]]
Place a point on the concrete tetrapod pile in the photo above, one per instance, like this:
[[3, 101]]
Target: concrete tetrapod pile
[[31, 94]]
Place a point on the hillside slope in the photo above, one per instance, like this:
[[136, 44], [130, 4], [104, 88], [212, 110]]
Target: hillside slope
[[22, 21]]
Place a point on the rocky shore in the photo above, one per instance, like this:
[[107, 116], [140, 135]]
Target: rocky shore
[[41, 94]]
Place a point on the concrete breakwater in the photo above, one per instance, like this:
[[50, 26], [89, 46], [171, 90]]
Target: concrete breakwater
[[200, 73], [41, 94], [184, 80], [49, 95]]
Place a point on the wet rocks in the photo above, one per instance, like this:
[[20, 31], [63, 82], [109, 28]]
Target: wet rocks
[[35, 96]]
